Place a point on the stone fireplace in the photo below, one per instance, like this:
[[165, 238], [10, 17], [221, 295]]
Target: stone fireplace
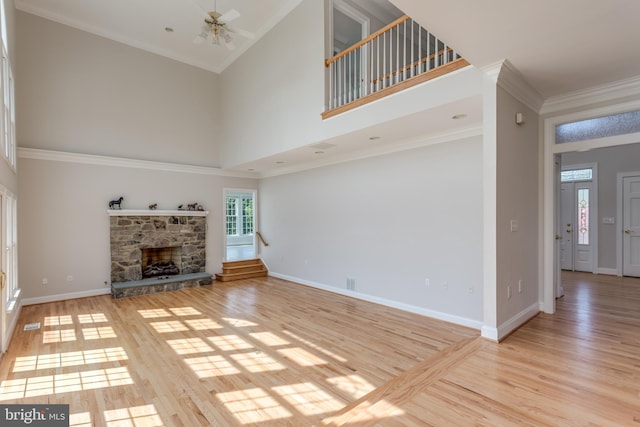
[[159, 247]]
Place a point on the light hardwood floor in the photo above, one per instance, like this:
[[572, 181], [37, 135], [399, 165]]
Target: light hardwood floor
[[268, 352]]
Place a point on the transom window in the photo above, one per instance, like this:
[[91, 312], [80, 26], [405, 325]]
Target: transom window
[[576, 175]]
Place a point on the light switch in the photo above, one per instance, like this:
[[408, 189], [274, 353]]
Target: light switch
[[514, 225]]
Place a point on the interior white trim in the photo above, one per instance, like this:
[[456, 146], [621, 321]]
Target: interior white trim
[[608, 271], [619, 242], [548, 191], [90, 159], [463, 321], [518, 320], [511, 80], [598, 94], [62, 297], [149, 212]]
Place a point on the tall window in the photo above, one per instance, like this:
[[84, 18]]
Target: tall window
[[239, 211], [232, 216], [10, 260], [7, 115]]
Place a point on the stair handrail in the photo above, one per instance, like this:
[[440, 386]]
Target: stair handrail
[[264, 242], [366, 40]]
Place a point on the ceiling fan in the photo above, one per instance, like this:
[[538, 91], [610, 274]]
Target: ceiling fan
[[216, 29]]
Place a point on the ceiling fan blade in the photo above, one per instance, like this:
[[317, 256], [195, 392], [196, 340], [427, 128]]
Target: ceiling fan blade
[[229, 16], [241, 32]]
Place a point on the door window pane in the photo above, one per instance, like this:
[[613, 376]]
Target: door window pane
[[583, 216]]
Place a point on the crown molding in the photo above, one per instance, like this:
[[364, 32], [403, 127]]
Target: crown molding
[[90, 159], [603, 93], [510, 79]]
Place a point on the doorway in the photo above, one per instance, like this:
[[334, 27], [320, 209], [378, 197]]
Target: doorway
[[240, 222], [578, 202], [629, 186]]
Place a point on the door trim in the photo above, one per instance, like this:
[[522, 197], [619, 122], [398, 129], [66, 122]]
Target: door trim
[[619, 194], [549, 205]]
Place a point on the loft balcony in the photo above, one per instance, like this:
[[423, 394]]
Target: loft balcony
[[398, 56]]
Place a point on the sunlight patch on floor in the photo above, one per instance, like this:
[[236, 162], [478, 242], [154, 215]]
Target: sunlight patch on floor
[[253, 406], [203, 324], [184, 346], [185, 311], [64, 335], [257, 362], [80, 419], [63, 383], [269, 338], [308, 398], [301, 357], [238, 323], [102, 332], [354, 385], [169, 326], [211, 366], [58, 320], [73, 358], [230, 343], [154, 313], [145, 415], [92, 318]]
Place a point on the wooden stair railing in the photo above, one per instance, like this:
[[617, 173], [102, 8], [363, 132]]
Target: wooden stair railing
[[398, 56], [264, 242]]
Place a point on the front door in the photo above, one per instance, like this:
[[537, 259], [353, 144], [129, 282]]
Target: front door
[[631, 226], [577, 237]]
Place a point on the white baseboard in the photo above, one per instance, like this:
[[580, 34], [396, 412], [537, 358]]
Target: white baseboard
[[512, 324], [608, 271], [62, 297], [462, 321]]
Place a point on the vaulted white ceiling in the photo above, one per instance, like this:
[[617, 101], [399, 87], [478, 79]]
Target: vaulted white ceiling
[[142, 23]]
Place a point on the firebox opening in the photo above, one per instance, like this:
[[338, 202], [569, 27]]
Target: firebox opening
[[157, 262]]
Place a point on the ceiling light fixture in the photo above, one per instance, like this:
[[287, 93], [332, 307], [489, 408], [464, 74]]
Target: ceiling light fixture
[[458, 116], [168, 29], [374, 138]]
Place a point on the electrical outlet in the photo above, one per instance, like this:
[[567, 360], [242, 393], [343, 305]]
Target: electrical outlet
[[445, 284], [471, 289], [520, 286], [45, 281], [509, 292], [69, 278], [427, 282]]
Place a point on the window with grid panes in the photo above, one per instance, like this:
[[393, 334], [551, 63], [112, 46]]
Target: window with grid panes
[[232, 216]]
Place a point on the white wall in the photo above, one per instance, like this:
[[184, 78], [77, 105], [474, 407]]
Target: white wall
[[389, 222], [82, 93], [517, 200], [64, 226], [274, 93], [610, 161]]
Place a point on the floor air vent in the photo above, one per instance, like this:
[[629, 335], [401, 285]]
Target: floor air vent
[[32, 326]]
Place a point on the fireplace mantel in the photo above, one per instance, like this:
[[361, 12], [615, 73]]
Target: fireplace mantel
[[149, 212]]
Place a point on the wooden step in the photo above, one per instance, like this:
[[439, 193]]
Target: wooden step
[[238, 270]]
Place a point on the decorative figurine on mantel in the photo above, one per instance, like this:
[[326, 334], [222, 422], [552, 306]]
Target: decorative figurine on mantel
[[117, 202], [181, 207], [153, 206], [195, 206]]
